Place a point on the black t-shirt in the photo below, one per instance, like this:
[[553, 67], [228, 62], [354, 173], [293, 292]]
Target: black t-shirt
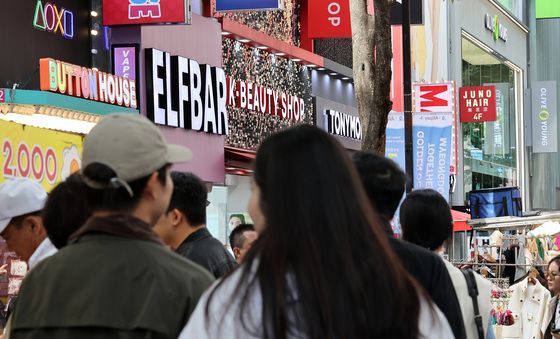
[[430, 272]]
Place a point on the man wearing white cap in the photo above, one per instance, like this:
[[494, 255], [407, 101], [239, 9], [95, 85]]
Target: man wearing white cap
[[116, 278], [21, 226]]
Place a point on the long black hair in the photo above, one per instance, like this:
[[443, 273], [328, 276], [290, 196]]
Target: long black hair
[[322, 245]]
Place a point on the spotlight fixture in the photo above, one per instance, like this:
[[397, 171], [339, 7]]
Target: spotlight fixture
[[346, 78], [262, 47], [321, 68], [280, 54], [93, 14], [296, 60], [94, 32], [333, 73], [225, 33], [311, 66], [244, 40]]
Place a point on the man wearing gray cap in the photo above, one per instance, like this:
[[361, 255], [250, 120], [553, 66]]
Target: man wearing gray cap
[[21, 225], [116, 279]]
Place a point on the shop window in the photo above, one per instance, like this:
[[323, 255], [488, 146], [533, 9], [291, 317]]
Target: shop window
[[490, 147]]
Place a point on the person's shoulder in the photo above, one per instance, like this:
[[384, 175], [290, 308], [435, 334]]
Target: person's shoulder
[[407, 249], [182, 267], [432, 323]]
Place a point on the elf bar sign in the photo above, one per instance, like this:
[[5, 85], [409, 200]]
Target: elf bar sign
[[478, 103], [260, 99], [137, 12], [343, 125], [82, 82], [180, 92]]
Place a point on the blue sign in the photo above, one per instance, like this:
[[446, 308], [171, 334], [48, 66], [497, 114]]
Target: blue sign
[[432, 151], [394, 141], [247, 5]]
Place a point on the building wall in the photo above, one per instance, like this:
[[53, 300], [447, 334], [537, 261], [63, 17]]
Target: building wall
[[514, 50]]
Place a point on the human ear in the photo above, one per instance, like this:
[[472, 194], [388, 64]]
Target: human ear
[[236, 252], [151, 185], [176, 217]]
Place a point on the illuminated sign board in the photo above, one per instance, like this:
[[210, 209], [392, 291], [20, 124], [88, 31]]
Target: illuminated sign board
[[61, 77], [247, 5], [53, 19], [139, 12], [182, 93], [260, 99], [344, 125]]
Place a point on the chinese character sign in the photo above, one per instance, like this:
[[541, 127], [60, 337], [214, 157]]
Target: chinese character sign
[[478, 103]]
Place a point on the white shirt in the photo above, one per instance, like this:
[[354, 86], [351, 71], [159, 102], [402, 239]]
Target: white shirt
[[225, 324], [44, 250]]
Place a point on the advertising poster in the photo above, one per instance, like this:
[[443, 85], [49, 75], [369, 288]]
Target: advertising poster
[[544, 117], [46, 156], [497, 133], [394, 142], [432, 151]]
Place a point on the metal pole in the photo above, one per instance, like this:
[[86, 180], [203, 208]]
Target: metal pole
[[407, 94]]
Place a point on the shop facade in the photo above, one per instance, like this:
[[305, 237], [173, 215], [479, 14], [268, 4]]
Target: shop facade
[[489, 48]]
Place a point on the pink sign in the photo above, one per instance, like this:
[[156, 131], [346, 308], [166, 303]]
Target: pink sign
[[124, 61]]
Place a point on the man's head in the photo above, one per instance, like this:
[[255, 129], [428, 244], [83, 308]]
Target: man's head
[[21, 226], [426, 219], [186, 211], [241, 239], [126, 167], [383, 181]]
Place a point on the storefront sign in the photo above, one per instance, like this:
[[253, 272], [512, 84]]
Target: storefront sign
[[39, 154], [260, 99], [180, 92], [2, 95], [544, 117], [432, 151], [547, 9], [329, 19], [61, 77], [53, 19], [478, 103], [124, 61], [343, 124], [498, 30], [247, 5], [137, 12], [438, 97]]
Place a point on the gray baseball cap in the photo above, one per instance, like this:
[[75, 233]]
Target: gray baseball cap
[[130, 145]]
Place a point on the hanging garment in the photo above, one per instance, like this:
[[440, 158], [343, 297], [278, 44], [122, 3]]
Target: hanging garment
[[520, 260], [529, 305], [496, 240]]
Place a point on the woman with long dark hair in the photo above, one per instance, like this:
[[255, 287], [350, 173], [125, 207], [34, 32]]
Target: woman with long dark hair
[[322, 267]]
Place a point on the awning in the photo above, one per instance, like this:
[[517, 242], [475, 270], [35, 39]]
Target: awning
[[460, 221], [239, 161]]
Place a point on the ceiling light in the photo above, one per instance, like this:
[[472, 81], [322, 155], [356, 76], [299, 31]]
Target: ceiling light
[[346, 78], [280, 54], [244, 40], [333, 73], [321, 68], [225, 33], [95, 69], [94, 32], [296, 60], [262, 47], [93, 14], [312, 66]]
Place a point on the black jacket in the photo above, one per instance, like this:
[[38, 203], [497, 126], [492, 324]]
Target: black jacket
[[207, 251], [430, 272]]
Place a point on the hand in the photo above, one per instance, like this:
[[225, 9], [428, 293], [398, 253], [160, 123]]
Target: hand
[[3, 271]]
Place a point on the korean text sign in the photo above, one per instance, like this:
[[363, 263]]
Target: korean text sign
[[478, 103]]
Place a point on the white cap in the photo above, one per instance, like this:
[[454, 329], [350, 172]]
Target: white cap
[[19, 197]]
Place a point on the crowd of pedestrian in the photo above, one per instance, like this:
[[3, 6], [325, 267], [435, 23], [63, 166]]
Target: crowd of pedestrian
[[121, 249]]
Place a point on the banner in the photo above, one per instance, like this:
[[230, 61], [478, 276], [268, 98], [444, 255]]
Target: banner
[[124, 61], [138, 12], [43, 155], [497, 133], [438, 97], [432, 151], [247, 5], [394, 141], [544, 117]]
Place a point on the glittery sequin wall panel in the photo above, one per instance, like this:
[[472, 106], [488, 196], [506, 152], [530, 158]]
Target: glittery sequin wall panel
[[266, 93]]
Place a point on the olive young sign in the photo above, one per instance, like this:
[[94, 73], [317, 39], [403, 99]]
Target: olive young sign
[[343, 125], [499, 31], [82, 82], [180, 92], [544, 117], [260, 99]]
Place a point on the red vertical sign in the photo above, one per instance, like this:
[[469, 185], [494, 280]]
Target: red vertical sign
[[397, 87], [329, 19], [478, 103]]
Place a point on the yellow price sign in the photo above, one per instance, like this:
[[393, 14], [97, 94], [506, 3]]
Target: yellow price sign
[[46, 156]]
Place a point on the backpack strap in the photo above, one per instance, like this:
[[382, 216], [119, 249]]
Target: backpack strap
[[473, 292]]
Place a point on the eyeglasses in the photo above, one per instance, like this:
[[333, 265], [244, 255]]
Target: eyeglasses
[[552, 275]]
